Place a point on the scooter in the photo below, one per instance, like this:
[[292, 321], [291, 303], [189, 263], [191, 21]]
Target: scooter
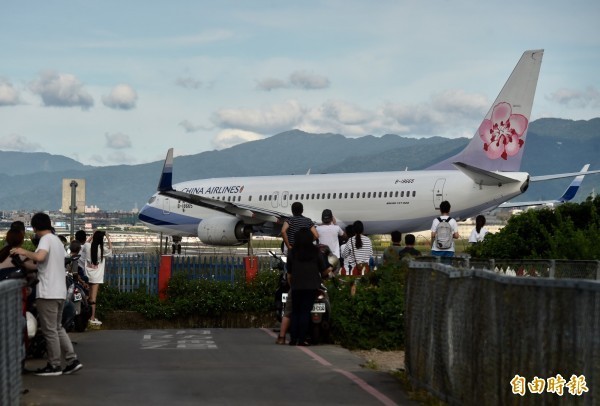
[[77, 310], [278, 265], [320, 316]]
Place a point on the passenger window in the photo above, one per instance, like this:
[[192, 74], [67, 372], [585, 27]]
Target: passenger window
[[329, 195], [364, 195], [312, 196], [250, 198], [414, 193], [402, 194], [384, 194], [369, 194], [352, 195]]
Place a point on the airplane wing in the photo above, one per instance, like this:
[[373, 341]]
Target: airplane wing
[[246, 212]]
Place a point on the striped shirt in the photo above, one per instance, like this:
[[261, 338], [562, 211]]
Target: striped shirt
[[353, 255], [296, 223]]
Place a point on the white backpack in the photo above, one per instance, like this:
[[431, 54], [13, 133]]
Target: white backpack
[[443, 234]]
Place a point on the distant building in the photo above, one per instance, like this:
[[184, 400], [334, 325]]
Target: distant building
[[79, 195]]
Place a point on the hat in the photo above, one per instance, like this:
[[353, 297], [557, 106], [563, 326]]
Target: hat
[[327, 216]]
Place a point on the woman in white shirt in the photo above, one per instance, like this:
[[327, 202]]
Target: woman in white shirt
[[96, 255], [479, 232], [358, 251]]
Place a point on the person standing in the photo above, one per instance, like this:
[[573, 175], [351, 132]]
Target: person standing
[[329, 232], [305, 265], [50, 297], [95, 262], [288, 232], [390, 254], [358, 251], [409, 247], [479, 231], [444, 230], [293, 224]]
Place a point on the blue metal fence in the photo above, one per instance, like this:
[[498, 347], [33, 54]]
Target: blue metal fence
[[129, 273]]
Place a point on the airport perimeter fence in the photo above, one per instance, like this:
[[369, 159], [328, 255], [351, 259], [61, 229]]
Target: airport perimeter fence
[[11, 341], [129, 273], [544, 268], [478, 337]]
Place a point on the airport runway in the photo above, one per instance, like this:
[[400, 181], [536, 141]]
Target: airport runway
[[209, 367]]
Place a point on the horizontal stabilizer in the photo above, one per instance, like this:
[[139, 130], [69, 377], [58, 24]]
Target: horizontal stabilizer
[[483, 177]]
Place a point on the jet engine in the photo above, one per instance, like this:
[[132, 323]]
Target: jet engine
[[223, 231]]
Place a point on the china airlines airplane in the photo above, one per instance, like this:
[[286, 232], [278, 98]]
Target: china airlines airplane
[[566, 197], [226, 211]]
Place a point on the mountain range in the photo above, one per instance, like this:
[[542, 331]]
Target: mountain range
[[32, 181]]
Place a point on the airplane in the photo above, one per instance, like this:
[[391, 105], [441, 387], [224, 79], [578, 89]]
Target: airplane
[[228, 211], [569, 194]]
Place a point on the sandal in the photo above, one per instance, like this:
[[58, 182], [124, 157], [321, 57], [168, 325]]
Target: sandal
[[280, 340]]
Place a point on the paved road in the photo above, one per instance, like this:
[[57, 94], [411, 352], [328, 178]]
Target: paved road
[[209, 367]]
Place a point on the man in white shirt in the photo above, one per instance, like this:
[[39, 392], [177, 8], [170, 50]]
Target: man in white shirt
[[436, 250], [329, 232], [50, 296]]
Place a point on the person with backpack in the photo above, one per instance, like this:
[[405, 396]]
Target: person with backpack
[[444, 230]]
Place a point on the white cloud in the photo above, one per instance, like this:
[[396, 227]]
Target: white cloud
[[122, 97], [117, 141], [307, 80], [272, 119], [590, 97], [270, 84], [189, 127], [229, 138], [346, 113], [61, 90], [16, 142], [9, 96], [299, 79]]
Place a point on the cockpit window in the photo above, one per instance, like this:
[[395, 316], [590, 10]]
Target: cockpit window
[[152, 199]]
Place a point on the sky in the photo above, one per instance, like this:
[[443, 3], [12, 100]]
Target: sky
[[119, 82]]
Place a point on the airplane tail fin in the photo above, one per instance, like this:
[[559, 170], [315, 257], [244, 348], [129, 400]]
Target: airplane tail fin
[[166, 178], [574, 186], [498, 144]]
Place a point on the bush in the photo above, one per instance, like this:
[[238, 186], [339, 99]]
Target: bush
[[571, 231], [374, 316], [197, 297]]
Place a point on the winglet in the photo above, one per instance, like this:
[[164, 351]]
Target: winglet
[[574, 186], [166, 178]]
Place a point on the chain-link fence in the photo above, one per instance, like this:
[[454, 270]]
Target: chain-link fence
[[11, 341], [478, 337]]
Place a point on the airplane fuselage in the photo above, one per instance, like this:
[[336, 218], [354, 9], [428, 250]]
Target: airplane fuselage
[[384, 201]]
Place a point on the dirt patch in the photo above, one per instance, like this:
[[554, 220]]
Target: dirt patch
[[387, 361]]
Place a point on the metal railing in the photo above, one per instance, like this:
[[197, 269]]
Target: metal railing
[[11, 341], [129, 273]]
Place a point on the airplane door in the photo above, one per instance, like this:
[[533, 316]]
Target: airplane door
[[166, 205], [438, 193], [284, 199], [274, 201]]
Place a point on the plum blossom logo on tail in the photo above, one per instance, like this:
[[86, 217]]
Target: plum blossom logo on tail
[[502, 134]]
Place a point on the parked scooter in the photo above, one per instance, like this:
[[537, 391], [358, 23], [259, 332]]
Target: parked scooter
[[77, 310], [278, 265]]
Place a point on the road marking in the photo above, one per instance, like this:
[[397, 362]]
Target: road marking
[[181, 340]]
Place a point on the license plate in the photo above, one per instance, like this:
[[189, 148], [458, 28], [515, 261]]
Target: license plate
[[76, 297], [318, 308], [284, 297]]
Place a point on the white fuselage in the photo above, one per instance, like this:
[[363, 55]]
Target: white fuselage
[[384, 201]]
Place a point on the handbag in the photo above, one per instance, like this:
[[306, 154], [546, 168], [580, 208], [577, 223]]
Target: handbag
[[360, 268]]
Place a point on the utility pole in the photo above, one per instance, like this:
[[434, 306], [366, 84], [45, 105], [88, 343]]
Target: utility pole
[[73, 207]]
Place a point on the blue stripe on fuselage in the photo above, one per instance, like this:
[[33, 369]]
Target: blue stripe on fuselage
[[157, 217]]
